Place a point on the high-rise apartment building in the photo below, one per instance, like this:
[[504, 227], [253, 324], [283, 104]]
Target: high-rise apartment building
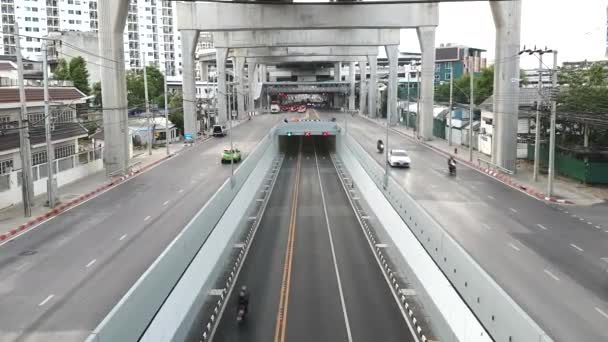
[[150, 31]]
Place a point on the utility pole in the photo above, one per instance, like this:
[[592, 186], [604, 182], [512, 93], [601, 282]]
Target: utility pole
[[471, 107], [418, 104], [143, 54], [50, 152], [166, 115], [537, 128], [27, 186], [553, 119], [407, 106], [451, 104]]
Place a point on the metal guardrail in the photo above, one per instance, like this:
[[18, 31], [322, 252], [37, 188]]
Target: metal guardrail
[[494, 166], [501, 316]]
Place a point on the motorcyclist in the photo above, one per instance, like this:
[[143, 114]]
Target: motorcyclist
[[451, 164], [380, 145], [243, 299]]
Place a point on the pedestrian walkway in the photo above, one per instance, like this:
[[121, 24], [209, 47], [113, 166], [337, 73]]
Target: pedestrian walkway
[[566, 190]]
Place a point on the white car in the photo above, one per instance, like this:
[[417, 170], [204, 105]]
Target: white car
[[275, 108], [398, 158]]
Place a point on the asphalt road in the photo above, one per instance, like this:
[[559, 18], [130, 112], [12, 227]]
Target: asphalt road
[[59, 281], [551, 261], [324, 289]]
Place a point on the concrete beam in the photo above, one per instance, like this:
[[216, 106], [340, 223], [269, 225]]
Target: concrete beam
[[304, 51], [507, 19], [112, 20], [301, 16], [304, 59], [287, 38]]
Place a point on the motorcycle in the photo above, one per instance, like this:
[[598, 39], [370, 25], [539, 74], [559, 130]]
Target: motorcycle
[[380, 146], [452, 169], [240, 314]]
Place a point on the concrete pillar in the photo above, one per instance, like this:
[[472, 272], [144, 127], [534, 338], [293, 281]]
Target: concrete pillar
[[392, 53], [351, 79], [507, 19], [189, 40], [362, 88], [426, 38], [373, 85], [222, 100], [263, 73], [337, 71], [204, 71], [251, 80], [112, 19], [240, 86]]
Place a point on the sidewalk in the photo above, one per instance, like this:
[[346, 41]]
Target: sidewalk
[[566, 190]]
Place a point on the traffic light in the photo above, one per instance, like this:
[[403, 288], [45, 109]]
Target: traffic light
[[307, 133], [289, 134]]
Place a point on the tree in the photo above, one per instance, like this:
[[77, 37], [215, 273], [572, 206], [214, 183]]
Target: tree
[[176, 112], [135, 87], [76, 71], [79, 74], [96, 90], [585, 90]]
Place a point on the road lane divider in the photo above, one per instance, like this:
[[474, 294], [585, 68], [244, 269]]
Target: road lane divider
[[281, 319]]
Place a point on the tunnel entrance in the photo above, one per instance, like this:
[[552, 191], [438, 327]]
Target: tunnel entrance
[[290, 144]]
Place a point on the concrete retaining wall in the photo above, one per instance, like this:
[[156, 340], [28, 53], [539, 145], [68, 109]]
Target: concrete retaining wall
[[130, 318], [433, 250]]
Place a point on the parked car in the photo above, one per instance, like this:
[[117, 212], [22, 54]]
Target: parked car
[[229, 155], [219, 130], [398, 158]]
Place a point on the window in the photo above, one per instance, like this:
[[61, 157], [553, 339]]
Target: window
[[447, 76], [70, 11], [79, 22], [35, 19], [34, 9], [35, 118], [38, 158], [436, 78], [28, 18], [6, 166], [70, 21], [70, 2], [79, 12], [4, 121], [62, 116], [64, 151], [36, 29]]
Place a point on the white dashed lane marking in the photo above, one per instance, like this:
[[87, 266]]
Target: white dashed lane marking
[[46, 300], [514, 247], [541, 226], [601, 312], [91, 263], [552, 275], [576, 247], [122, 237], [147, 218]]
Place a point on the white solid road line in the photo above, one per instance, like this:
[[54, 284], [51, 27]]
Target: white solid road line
[[147, 218], [552, 275], [601, 312], [91, 263], [46, 300], [333, 254], [541, 226], [166, 202], [513, 210], [576, 247], [122, 237], [513, 246]]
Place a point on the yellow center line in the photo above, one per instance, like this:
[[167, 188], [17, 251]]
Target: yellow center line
[[281, 321]]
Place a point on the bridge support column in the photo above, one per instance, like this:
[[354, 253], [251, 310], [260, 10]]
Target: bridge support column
[[507, 19], [112, 20], [240, 86], [337, 72], [426, 37], [251, 80], [392, 53], [351, 79], [189, 40], [373, 86], [222, 99], [362, 88]]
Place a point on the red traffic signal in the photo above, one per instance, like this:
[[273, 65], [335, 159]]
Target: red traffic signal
[[307, 133]]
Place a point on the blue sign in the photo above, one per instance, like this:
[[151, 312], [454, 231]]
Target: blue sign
[[188, 136]]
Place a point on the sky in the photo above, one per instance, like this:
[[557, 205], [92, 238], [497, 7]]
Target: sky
[[577, 29]]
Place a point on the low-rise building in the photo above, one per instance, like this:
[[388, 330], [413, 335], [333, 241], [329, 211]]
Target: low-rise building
[[70, 163]]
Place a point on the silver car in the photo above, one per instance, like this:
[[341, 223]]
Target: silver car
[[398, 158]]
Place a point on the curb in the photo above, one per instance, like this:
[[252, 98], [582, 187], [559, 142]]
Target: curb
[[77, 200], [505, 179]]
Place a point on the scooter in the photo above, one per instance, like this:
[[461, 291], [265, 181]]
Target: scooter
[[380, 146], [452, 168]]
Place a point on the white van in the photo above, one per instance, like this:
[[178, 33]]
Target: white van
[[219, 130], [275, 108]]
